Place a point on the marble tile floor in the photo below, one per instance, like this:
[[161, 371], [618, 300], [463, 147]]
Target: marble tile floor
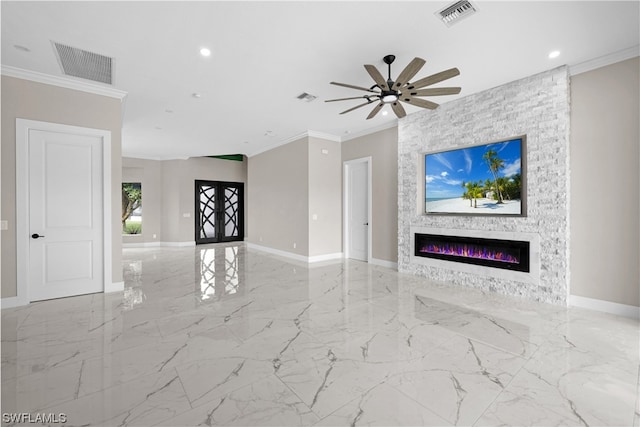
[[224, 335]]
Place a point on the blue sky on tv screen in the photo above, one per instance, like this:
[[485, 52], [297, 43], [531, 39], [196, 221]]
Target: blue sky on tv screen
[[446, 171]]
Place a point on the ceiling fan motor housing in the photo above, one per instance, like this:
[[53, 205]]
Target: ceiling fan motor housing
[[388, 96]]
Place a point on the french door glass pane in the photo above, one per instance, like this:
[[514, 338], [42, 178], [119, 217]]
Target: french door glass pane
[[231, 212], [207, 212]]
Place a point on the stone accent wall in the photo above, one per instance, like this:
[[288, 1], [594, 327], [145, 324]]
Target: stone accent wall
[[536, 106]]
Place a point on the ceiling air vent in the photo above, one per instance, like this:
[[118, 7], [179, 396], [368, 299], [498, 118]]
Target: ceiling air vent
[[84, 64], [455, 12], [304, 96]]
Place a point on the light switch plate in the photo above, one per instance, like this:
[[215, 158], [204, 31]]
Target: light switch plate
[[4, 224]]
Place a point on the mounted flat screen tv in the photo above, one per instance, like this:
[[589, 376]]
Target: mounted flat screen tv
[[487, 179]]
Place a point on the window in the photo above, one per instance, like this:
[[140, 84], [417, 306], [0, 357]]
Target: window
[[131, 208]]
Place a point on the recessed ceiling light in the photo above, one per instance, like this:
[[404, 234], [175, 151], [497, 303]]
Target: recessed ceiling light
[[22, 48], [554, 54], [196, 95], [384, 113], [168, 111], [205, 52]]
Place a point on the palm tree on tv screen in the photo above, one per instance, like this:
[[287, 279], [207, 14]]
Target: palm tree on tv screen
[[495, 163]]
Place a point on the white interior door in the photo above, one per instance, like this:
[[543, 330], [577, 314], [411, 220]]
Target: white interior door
[[358, 211], [65, 214]]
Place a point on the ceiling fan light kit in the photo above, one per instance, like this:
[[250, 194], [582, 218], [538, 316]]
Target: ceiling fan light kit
[[401, 90]]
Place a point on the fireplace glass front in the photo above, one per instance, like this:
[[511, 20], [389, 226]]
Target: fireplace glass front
[[505, 254]]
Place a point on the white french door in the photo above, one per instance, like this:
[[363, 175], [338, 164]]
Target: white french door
[[65, 224]]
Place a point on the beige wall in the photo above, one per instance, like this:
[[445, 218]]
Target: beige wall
[[36, 101], [278, 198], [148, 173], [325, 201], [178, 192], [383, 148], [168, 191], [605, 184], [291, 183]]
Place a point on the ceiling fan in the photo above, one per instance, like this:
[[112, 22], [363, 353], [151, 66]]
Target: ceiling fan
[[401, 90]]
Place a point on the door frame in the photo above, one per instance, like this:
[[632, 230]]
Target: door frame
[[23, 127], [220, 219], [346, 226]]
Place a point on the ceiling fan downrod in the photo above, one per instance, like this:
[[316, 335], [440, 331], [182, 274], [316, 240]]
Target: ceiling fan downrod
[[389, 60], [390, 95]]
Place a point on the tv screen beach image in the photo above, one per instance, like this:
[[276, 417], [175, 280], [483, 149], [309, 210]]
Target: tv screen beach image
[[479, 180]]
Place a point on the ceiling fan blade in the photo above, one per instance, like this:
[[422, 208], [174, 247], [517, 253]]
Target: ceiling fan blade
[[353, 87], [436, 91], [356, 107], [409, 71], [346, 99], [419, 102], [376, 76], [434, 78], [375, 110], [398, 109]]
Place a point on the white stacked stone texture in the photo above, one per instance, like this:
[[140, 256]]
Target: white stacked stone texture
[[538, 107]]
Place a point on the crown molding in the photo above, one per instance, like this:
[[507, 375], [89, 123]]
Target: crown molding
[[323, 135], [327, 136], [603, 61], [383, 126], [306, 134], [61, 81]]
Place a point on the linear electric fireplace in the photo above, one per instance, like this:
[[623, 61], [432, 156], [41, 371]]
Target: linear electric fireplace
[[505, 254]]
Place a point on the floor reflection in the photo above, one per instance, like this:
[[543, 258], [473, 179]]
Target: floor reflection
[[133, 294], [219, 272]]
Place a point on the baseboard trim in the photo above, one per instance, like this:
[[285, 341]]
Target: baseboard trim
[[159, 244], [141, 245], [178, 244], [325, 257], [114, 287], [297, 257], [12, 302], [384, 263], [605, 306]]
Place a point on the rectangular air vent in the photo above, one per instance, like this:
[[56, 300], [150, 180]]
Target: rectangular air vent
[[455, 12], [304, 96], [84, 64]]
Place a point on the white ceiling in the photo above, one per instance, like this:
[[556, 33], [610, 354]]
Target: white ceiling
[[266, 53]]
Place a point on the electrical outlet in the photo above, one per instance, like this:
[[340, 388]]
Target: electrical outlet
[[154, 236], [4, 224], [186, 215], [294, 246]]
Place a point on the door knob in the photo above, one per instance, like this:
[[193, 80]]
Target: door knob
[[36, 236], [366, 223]]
